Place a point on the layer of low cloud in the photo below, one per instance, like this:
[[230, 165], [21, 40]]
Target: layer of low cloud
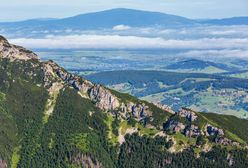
[[135, 42]]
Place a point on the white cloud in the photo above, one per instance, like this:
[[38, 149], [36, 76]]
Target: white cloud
[[129, 42], [121, 27]]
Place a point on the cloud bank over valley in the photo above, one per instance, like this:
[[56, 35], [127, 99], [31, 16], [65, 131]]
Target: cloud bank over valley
[[225, 41]]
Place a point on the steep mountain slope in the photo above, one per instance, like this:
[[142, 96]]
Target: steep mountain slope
[[51, 118]]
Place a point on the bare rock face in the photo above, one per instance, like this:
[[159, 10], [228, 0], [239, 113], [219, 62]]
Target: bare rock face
[[103, 98], [86, 161], [164, 107], [190, 115], [218, 135], [214, 131], [192, 131], [3, 164], [230, 159], [175, 126], [14, 52]]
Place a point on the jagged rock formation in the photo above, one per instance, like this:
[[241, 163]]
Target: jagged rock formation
[[175, 126], [103, 98], [14, 52], [165, 107], [192, 131], [214, 131], [188, 114]]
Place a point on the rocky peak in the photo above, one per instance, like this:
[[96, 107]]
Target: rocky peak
[[3, 39], [14, 52]]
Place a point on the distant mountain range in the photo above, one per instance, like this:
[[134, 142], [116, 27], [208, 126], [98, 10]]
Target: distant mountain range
[[120, 16]]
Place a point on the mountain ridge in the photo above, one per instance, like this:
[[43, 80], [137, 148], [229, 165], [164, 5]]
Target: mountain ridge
[[52, 118]]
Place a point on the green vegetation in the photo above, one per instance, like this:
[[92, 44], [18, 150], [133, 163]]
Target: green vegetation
[[111, 136], [15, 157], [151, 152], [77, 132], [124, 126], [81, 141], [146, 131], [235, 128]]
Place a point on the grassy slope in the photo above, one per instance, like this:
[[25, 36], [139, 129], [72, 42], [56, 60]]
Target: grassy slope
[[234, 127]]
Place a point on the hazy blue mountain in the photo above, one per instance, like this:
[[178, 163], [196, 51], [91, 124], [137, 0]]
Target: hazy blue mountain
[[107, 19], [119, 16], [227, 21]]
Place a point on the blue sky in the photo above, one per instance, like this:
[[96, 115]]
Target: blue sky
[[25, 9]]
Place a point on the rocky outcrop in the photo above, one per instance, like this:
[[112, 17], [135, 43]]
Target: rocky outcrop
[[230, 159], [192, 131], [174, 126], [14, 52], [190, 115], [3, 164], [85, 161], [164, 107], [219, 136], [103, 98], [213, 131], [224, 141]]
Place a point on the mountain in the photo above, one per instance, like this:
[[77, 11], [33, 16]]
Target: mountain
[[109, 19], [200, 66], [52, 118], [105, 19]]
